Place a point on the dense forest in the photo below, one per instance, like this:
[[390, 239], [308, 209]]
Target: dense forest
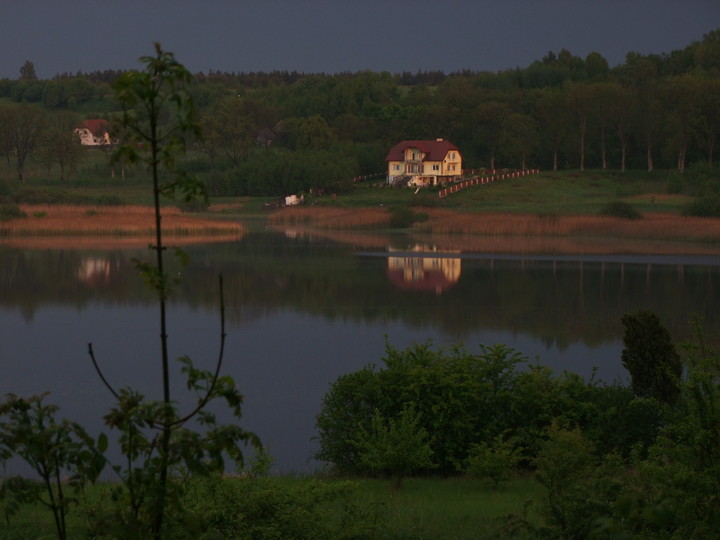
[[280, 132]]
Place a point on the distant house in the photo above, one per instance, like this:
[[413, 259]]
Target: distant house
[[423, 163], [94, 132]]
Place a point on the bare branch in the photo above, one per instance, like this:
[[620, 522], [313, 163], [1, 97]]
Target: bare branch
[[218, 365], [100, 373]]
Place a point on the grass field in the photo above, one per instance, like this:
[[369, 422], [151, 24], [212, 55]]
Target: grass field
[[441, 509]]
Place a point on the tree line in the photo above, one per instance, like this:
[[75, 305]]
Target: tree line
[[655, 111]]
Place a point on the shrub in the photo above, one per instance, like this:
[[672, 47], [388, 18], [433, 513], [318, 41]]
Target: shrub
[[11, 211], [650, 357], [620, 209], [195, 205], [261, 507], [402, 217], [395, 447], [674, 184], [494, 461], [708, 206]]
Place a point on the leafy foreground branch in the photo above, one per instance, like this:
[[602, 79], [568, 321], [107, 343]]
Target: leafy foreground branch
[[160, 451]]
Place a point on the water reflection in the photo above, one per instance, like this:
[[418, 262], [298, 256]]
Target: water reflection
[[302, 311], [423, 268]]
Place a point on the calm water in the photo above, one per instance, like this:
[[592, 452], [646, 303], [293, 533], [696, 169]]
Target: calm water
[[302, 311]]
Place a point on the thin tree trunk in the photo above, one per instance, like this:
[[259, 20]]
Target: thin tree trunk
[[583, 127]]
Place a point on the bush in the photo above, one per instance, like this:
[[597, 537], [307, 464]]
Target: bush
[[495, 461], [402, 217], [674, 184], [620, 209], [395, 447], [256, 506], [193, 206], [708, 206], [11, 211]]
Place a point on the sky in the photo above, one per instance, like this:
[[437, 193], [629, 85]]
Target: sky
[[332, 36]]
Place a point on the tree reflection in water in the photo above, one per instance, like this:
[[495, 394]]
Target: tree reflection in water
[[303, 311]]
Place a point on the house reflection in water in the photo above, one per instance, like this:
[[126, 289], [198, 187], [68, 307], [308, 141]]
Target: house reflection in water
[[423, 268], [95, 271]]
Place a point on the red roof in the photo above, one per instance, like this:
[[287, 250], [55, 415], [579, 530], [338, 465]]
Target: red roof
[[97, 126], [433, 150]]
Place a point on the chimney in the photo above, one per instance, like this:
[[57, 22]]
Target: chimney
[[439, 140]]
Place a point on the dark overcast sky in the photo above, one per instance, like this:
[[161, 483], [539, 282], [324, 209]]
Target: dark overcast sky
[[340, 35]]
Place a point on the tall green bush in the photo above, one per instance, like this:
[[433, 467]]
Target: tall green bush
[[651, 358]]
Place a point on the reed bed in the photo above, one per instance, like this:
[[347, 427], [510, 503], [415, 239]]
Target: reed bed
[[105, 242], [69, 220], [652, 226], [331, 218]]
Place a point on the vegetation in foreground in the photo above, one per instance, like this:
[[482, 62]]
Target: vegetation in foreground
[[496, 452], [611, 461]]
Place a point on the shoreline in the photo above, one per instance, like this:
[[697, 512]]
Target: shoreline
[[133, 226]]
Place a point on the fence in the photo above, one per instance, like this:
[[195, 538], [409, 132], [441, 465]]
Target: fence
[[486, 178]]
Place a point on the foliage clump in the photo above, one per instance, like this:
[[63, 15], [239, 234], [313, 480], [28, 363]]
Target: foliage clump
[[402, 217], [11, 211], [466, 400], [650, 357], [620, 209]]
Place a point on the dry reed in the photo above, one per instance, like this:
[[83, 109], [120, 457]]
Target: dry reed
[[331, 218], [68, 220], [652, 226]]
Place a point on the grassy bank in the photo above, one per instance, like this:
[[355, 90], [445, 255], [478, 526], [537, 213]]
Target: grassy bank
[[291, 507], [557, 205]]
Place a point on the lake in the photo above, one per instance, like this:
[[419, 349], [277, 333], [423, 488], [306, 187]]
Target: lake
[[303, 309]]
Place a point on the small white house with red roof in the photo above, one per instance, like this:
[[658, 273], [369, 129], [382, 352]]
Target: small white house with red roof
[[423, 163]]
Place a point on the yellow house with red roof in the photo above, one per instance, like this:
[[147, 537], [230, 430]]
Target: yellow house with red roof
[[423, 163]]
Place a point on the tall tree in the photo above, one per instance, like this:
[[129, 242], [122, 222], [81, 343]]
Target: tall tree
[[229, 130], [580, 101], [596, 67], [60, 142], [619, 108], [27, 71], [680, 98], [492, 115], [519, 138], [707, 121], [551, 114], [158, 117], [24, 125], [602, 107], [641, 74]]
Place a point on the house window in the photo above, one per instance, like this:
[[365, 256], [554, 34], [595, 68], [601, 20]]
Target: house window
[[436, 167], [397, 166]]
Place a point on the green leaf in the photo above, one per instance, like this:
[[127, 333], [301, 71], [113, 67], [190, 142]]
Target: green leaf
[[102, 443]]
